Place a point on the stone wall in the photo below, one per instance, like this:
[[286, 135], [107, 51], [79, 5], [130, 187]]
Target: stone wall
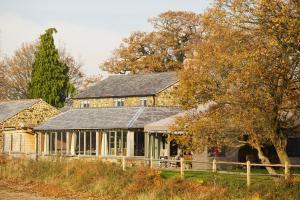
[[166, 97], [109, 102], [163, 98], [29, 117], [32, 116]]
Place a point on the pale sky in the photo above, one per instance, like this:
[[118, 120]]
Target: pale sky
[[89, 29]]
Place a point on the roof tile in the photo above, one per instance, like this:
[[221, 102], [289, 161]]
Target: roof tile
[[130, 85]]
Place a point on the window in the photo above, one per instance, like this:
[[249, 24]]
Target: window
[[139, 141], [85, 143], [7, 142], [143, 101], [119, 102], [173, 148], [52, 143], [112, 144], [117, 143], [61, 143], [84, 104], [12, 142], [81, 143], [57, 143]]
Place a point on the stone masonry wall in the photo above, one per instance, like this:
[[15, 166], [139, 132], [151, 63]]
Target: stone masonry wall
[[29, 117], [32, 116], [109, 102], [166, 97]]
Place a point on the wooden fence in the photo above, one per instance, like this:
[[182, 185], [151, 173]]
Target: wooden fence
[[180, 165], [214, 166]]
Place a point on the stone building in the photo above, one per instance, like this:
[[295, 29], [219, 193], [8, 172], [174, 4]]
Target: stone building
[[130, 91], [17, 118], [108, 118]]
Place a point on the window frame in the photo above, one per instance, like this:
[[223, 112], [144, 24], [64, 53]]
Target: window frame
[[119, 102], [115, 147], [143, 101], [84, 104]]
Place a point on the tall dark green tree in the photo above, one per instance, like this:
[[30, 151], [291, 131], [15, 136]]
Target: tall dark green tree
[[49, 78]]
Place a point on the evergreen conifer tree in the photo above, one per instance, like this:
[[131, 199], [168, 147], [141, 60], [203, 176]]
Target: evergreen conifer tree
[[49, 78]]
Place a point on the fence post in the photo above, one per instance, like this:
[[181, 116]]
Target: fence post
[[123, 163], [286, 170], [151, 162], [248, 173], [214, 167], [181, 167]]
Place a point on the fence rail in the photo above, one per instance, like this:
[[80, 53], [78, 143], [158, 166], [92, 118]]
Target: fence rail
[[214, 166], [180, 165]]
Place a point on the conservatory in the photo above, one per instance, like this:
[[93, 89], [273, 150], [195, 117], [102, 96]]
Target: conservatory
[[99, 131]]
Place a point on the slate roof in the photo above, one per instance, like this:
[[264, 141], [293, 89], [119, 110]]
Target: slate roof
[[107, 118], [164, 125], [10, 108], [130, 85]]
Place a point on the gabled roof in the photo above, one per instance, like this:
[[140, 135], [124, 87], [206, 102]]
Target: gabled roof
[[164, 124], [107, 118], [130, 85], [9, 109]]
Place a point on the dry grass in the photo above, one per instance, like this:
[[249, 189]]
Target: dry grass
[[98, 180]]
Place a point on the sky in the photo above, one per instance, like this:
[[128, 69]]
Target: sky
[[89, 29]]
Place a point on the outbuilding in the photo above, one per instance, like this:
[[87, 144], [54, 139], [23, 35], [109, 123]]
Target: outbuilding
[[17, 118]]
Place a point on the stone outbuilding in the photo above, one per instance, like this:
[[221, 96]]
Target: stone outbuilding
[[17, 118]]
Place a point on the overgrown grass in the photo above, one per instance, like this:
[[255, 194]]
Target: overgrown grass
[[99, 180], [105, 180]]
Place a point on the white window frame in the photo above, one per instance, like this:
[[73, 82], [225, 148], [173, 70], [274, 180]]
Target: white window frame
[[84, 104], [119, 102], [123, 146], [143, 101]]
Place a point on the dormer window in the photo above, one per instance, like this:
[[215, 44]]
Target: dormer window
[[84, 104], [143, 101], [119, 102]]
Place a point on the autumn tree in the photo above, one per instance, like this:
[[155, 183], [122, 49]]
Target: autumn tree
[[75, 72], [17, 71], [2, 82], [49, 79], [248, 65], [163, 49]]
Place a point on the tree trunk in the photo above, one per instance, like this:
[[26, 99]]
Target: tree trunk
[[280, 147], [264, 159]]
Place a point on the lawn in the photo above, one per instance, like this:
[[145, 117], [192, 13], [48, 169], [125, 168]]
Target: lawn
[[235, 185]]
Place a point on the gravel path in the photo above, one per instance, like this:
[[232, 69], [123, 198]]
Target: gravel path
[[7, 193]]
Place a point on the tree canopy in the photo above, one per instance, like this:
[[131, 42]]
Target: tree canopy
[[248, 65], [163, 49], [49, 78]]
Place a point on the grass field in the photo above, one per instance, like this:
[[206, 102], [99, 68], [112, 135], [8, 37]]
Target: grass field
[[265, 187]]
